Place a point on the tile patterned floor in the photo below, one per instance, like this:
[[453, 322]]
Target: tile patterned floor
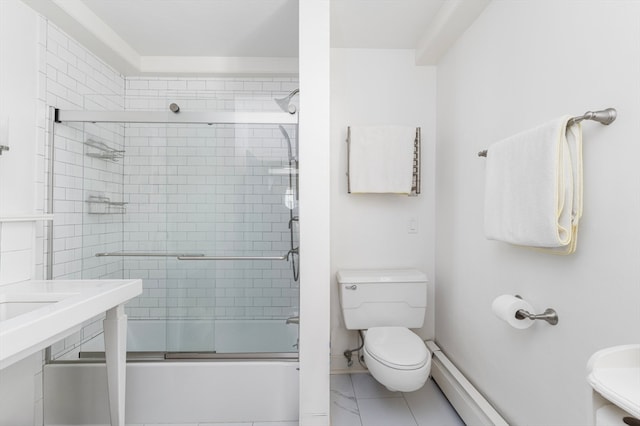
[[359, 400]]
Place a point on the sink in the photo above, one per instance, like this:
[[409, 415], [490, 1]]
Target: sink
[[13, 305], [9, 310], [35, 314], [614, 373]]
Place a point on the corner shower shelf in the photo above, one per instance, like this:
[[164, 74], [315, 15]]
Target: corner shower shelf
[[103, 151], [104, 205]]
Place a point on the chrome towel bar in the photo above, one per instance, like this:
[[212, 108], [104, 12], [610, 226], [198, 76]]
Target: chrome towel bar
[[144, 254], [186, 256], [232, 257], [605, 116]]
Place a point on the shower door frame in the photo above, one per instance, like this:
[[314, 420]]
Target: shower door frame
[[162, 117], [186, 117]]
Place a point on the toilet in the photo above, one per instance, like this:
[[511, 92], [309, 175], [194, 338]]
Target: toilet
[[385, 304]]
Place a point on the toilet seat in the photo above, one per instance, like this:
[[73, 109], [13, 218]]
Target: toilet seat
[[396, 347]]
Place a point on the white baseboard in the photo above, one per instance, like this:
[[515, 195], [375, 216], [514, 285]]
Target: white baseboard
[[471, 406]]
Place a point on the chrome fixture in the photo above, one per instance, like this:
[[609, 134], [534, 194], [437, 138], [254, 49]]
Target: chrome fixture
[[605, 116], [291, 197], [145, 254], [549, 315], [292, 157], [292, 251], [184, 256], [293, 219], [184, 117], [3, 148], [293, 320], [285, 103], [631, 421], [174, 108], [348, 354]]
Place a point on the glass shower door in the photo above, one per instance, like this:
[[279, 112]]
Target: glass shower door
[[205, 215], [227, 194]]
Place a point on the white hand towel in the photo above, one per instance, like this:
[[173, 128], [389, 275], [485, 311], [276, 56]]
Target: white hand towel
[[381, 159], [533, 190]]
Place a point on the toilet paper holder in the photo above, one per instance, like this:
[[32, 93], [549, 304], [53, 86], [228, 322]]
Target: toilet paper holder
[[549, 315]]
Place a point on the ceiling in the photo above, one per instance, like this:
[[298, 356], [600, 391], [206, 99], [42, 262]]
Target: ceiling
[[203, 27], [381, 24], [249, 36]]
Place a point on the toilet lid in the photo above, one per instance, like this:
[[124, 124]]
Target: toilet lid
[[397, 347]]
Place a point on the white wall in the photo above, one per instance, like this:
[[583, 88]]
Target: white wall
[[21, 31], [368, 231], [314, 212], [521, 64]]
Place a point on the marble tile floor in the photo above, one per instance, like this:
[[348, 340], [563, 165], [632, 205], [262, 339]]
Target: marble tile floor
[[359, 400]]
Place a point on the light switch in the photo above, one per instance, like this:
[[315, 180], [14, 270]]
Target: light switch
[[412, 225]]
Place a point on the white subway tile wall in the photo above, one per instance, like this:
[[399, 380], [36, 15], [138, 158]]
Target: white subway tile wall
[[215, 190], [75, 79]]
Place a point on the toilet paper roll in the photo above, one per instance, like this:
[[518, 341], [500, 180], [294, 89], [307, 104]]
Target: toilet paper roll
[[505, 308]]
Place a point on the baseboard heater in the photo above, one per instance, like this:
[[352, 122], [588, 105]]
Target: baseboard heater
[[471, 406]]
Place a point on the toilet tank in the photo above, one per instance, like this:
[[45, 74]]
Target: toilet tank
[[382, 298]]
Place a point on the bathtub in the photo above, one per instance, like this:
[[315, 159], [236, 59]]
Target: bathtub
[[243, 388]]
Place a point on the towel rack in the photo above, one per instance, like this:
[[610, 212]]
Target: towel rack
[[416, 182], [605, 116], [185, 256]]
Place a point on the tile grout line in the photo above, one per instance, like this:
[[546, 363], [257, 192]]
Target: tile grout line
[[415, 419]]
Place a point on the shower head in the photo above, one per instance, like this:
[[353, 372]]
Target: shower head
[[285, 103], [174, 108]]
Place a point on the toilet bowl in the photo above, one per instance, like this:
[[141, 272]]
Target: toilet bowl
[[397, 358], [385, 305]]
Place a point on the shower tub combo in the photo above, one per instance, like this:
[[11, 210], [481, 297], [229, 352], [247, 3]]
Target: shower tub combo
[[202, 206]]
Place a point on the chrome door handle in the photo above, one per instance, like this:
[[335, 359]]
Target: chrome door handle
[[351, 287]]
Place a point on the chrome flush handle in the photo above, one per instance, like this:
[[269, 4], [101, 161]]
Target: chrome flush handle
[[351, 287]]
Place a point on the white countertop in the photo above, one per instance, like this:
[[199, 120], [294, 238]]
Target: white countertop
[[39, 313]]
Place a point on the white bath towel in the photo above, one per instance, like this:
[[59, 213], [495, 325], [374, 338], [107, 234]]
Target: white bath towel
[[381, 159], [533, 189]]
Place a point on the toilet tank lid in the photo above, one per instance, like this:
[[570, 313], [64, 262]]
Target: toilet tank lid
[[355, 276]]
